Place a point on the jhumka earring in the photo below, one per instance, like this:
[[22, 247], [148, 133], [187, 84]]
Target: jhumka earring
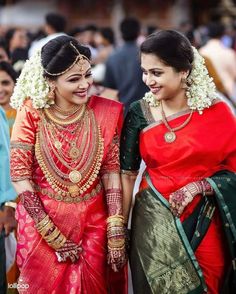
[[184, 83], [51, 94]]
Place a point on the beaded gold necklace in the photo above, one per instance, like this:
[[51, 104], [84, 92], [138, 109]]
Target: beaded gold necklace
[[68, 175]]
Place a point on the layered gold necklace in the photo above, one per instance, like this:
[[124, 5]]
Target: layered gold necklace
[[69, 150]]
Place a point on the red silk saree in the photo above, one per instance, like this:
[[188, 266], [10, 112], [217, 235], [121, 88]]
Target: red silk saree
[[80, 219], [160, 264]]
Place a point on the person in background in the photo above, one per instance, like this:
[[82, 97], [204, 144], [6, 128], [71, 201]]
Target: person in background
[[7, 195], [18, 44], [123, 71], [65, 167], [105, 41], [183, 220], [222, 58], [87, 38], [4, 52], [7, 82], [55, 25]]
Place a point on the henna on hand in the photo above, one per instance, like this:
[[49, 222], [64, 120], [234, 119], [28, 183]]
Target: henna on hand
[[181, 198], [69, 251]]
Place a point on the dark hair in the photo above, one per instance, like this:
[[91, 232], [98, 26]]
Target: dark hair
[[8, 68], [173, 48], [56, 21], [130, 29], [58, 54], [3, 45], [215, 30], [90, 27], [9, 35], [107, 34]]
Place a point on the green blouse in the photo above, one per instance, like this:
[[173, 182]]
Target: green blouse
[[138, 117]]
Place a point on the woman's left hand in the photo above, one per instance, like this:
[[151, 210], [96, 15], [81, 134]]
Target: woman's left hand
[[179, 200]]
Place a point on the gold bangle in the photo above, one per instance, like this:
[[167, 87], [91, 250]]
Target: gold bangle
[[115, 218], [59, 242], [10, 204], [45, 230], [43, 222], [55, 233]]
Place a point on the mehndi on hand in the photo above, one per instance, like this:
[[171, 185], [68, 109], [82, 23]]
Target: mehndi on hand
[[181, 198]]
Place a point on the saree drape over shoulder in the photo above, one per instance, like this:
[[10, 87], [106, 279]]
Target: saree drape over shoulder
[[168, 254], [79, 212]]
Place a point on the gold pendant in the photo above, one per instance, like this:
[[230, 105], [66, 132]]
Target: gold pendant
[[57, 144], [74, 191], [75, 176], [74, 152], [170, 137]]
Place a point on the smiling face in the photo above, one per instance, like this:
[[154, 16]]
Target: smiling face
[[72, 87], [164, 81], [6, 88]]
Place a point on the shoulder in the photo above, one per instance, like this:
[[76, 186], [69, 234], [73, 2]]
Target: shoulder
[[136, 106], [28, 110], [135, 113], [222, 109], [99, 101]]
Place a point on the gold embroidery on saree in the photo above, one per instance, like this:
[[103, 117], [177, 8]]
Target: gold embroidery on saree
[[158, 246]]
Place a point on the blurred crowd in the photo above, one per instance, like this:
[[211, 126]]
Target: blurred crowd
[[115, 60]]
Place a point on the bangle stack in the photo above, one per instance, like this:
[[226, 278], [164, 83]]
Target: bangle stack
[[51, 233], [115, 232]]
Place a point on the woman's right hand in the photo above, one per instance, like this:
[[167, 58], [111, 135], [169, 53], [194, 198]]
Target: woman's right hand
[[69, 251]]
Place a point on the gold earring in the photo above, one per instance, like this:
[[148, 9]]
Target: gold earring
[[51, 94], [184, 83]]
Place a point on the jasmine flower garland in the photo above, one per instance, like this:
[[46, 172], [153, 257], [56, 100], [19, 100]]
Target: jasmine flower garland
[[32, 85], [201, 89]]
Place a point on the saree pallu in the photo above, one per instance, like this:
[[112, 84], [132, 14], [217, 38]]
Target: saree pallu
[[83, 221], [203, 147], [166, 262]]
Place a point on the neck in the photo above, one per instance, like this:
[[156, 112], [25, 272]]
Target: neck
[[172, 106]]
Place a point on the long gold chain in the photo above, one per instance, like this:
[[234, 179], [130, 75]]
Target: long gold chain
[[171, 136]]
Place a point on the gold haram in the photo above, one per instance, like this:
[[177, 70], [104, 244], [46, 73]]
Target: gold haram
[[66, 120], [72, 111], [70, 178], [171, 136]]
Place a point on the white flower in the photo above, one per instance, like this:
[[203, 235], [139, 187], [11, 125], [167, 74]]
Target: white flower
[[201, 91], [151, 99], [31, 84]]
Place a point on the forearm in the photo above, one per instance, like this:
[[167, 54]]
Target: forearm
[[112, 186], [128, 182]]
